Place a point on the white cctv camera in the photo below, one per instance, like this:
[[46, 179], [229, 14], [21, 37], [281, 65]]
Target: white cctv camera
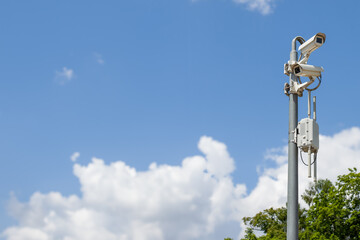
[[305, 70], [312, 44]]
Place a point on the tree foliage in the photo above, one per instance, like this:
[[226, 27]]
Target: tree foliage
[[332, 212]]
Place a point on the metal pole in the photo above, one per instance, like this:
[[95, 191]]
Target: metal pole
[[315, 154], [309, 150], [292, 198], [309, 104], [309, 162], [314, 108]]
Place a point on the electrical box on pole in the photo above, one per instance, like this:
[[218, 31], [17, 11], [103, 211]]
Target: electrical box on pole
[[308, 135]]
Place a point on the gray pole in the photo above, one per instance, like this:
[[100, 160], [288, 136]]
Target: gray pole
[[292, 197]]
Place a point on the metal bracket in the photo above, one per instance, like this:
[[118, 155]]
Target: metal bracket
[[286, 89], [295, 135], [287, 69], [298, 89], [294, 87]]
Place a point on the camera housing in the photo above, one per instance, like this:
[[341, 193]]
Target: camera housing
[[312, 44], [305, 70]]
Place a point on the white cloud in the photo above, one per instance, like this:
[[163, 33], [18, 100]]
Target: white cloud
[[25, 233], [75, 156], [99, 59], [337, 153], [64, 76], [263, 6], [194, 200]]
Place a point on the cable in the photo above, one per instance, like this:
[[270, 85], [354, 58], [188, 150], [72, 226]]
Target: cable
[[311, 89], [315, 158], [301, 40], [300, 57]]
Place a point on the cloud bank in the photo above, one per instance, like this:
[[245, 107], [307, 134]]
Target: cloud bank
[[194, 200]]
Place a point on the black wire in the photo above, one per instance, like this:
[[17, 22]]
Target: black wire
[[315, 158], [312, 89]]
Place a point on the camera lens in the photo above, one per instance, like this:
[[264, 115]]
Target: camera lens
[[319, 40]]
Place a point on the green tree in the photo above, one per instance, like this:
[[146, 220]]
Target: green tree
[[321, 186], [272, 222], [333, 212]]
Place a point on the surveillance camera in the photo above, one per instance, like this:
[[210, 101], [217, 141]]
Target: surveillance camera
[[304, 70], [312, 44]]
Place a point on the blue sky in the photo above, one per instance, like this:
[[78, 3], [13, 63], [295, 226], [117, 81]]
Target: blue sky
[[142, 81]]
